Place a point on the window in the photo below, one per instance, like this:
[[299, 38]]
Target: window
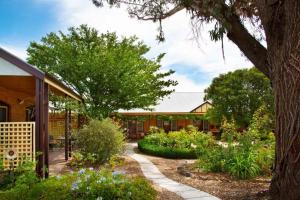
[[3, 112], [159, 123], [205, 125], [166, 123], [140, 126], [174, 125], [30, 114], [198, 124]]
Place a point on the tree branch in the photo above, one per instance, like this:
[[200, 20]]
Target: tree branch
[[239, 35], [162, 16], [254, 51]]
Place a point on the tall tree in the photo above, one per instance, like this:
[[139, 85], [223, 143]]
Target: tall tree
[[110, 73], [279, 22], [238, 94]]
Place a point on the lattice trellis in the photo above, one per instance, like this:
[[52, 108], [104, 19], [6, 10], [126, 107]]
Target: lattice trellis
[[17, 136]]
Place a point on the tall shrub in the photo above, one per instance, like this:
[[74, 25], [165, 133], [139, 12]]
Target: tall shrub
[[100, 138]]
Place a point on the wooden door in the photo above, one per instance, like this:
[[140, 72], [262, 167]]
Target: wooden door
[[132, 129]]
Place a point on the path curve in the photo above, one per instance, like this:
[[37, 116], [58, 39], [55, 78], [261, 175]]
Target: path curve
[[152, 173]]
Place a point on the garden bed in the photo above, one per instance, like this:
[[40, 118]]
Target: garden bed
[[218, 184], [130, 167]]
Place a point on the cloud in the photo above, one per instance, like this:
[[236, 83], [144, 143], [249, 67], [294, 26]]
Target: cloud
[[185, 84], [17, 50], [190, 58]]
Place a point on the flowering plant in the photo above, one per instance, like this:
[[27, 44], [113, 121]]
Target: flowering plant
[[84, 185]]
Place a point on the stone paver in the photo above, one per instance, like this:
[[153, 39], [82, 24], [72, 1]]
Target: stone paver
[[152, 173]]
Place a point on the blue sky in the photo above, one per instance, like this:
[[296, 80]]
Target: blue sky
[[24, 21], [195, 62]]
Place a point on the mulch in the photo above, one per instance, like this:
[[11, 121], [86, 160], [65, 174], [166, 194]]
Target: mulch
[[218, 184]]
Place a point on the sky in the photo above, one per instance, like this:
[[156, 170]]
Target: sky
[[195, 61]]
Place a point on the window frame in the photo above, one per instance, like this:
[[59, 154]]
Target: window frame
[[2, 105], [173, 125], [140, 124]]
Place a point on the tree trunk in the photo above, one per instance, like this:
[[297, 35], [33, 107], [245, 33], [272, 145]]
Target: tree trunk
[[286, 178], [283, 39]]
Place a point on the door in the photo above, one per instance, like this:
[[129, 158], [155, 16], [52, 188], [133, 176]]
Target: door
[[132, 129]]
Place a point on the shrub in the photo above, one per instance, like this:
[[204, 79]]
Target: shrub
[[154, 129], [8, 178], [101, 139], [203, 142], [261, 124], [166, 152], [1, 164], [84, 185], [246, 159], [242, 164], [213, 159], [176, 144], [229, 131], [79, 161]]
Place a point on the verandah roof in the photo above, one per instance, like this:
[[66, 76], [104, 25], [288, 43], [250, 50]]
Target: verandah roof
[[55, 85]]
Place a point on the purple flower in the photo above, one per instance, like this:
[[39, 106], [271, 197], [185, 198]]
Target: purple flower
[[74, 186], [82, 171]]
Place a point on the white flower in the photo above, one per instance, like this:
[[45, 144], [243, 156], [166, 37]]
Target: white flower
[[87, 177], [102, 179], [99, 198]]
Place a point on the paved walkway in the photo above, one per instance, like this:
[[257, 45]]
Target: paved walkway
[[57, 163], [152, 173]]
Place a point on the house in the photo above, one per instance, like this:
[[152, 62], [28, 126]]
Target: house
[[172, 113], [24, 111]]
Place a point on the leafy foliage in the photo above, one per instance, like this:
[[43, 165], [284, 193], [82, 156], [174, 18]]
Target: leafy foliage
[[85, 184], [101, 140], [110, 73], [8, 178], [246, 158], [237, 95], [176, 144], [229, 131], [262, 124], [79, 161], [166, 152]]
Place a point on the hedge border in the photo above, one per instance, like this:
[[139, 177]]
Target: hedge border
[[166, 152]]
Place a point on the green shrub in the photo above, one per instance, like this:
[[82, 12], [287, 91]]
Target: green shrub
[[154, 129], [102, 139], [242, 164], [1, 164], [176, 144], [8, 178], [79, 161], [212, 160], [203, 142], [244, 159], [82, 185], [166, 152], [229, 131], [262, 124]]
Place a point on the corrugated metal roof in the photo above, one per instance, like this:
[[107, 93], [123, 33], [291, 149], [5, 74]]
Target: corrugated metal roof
[[175, 102]]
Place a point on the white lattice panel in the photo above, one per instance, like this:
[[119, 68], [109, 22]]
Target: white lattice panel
[[20, 137]]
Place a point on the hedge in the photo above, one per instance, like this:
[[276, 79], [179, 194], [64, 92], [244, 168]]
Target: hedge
[[166, 152]]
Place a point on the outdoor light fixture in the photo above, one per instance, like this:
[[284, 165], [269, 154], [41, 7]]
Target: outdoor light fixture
[[11, 154]]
